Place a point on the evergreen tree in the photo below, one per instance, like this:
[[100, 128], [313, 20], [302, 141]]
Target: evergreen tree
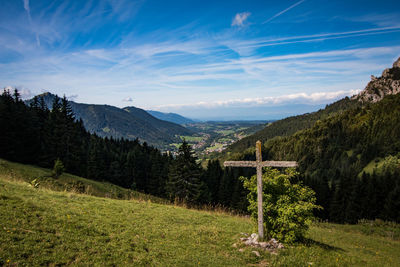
[[353, 207], [226, 187], [212, 178], [184, 181], [338, 203]]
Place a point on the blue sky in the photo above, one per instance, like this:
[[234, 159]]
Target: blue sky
[[202, 59]]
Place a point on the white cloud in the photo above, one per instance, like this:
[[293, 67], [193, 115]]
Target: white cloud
[[302, 98], [240, 18], [127, 99], [72, 97], [24, 92]]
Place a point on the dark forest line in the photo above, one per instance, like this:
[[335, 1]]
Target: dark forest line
[[35, 134]]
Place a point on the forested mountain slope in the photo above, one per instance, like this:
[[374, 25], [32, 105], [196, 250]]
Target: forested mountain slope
[[339, 158], [349, 153], [171, 117], [129, 123], [289, 126], [351, 160], [39, 136], [376, 90]]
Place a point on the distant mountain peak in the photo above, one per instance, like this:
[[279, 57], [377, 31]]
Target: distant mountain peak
[[379, 87], [396, 64]]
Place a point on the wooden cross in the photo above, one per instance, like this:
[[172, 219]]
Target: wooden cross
[[259, 164]]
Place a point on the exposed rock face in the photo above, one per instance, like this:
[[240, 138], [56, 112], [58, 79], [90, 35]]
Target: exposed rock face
[[379, 87], [397, 63]]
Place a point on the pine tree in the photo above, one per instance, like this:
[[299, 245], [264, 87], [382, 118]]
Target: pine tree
[[338, 202], [184, 181], [225, 188], [212, 178], [353, 207]]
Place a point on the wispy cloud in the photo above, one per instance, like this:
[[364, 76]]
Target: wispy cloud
[[28, 12], [240, 18], [380, 20], [187, 65], [26, 6], [283, 11], [249, 45], [128, 71]]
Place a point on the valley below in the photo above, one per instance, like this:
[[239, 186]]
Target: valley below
[[213, 136]]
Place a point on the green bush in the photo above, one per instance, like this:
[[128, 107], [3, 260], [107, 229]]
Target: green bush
[[288, 207]]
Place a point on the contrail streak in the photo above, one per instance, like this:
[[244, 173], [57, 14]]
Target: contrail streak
[[283, 11]]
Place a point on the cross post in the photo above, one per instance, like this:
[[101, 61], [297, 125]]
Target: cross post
[[259, 164]]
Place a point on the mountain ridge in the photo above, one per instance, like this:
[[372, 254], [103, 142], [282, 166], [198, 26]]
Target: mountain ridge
[[379, 87], [171, 117], [129, 123]]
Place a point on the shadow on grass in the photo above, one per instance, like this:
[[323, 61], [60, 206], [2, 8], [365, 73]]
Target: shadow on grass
[[310, 242]]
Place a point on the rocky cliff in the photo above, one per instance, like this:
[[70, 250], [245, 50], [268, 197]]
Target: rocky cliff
[[379, 87]]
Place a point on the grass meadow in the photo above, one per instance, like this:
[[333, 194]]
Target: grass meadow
[[42, 226]]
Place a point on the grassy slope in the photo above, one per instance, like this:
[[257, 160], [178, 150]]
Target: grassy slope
[[43, 227], [68, 182]]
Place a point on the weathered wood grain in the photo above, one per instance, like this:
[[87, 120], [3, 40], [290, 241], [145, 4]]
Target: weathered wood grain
[[285, 164], [253, 164], [240, 164], [260, 212]]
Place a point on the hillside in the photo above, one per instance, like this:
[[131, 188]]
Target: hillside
[[42, 178], [171, 117], [43, 227], [334, 157], [288, 126], [130, 123], [349, 153], [376, 90]]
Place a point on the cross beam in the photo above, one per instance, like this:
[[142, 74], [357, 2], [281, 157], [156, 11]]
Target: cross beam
[[253, 164], [259, 164]]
